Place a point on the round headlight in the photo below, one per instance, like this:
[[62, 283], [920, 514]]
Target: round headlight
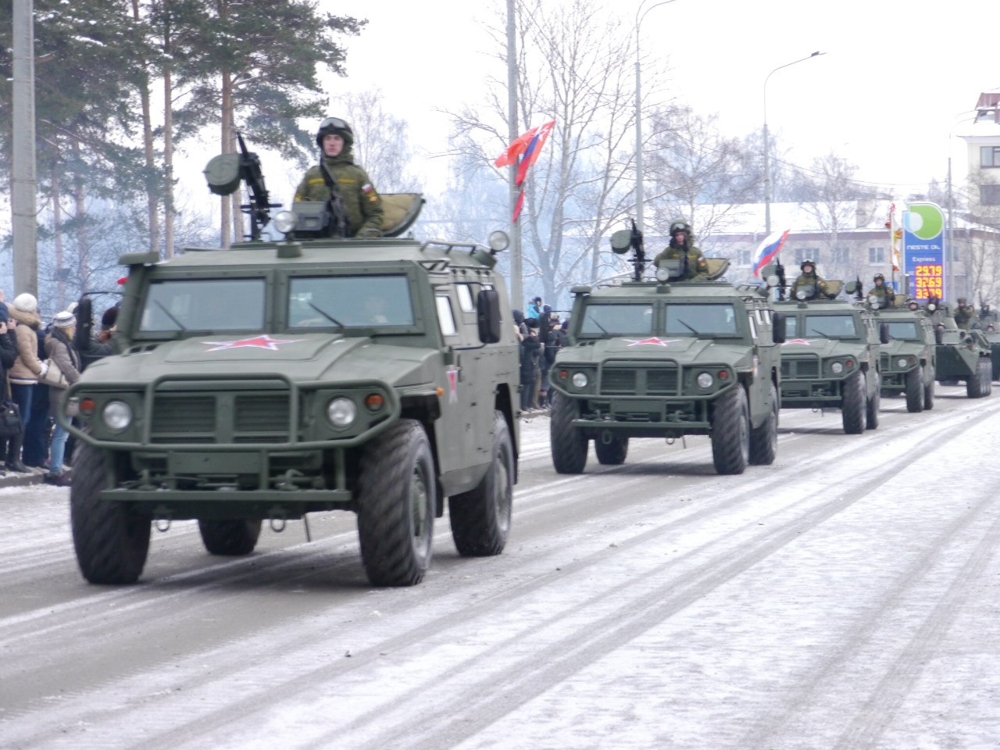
[[800, 294], [902, 362], [117, 415], [341, 411], [498, 241], [662, 275], [284, 221], [837, 368], [580, 380], [704, 380]]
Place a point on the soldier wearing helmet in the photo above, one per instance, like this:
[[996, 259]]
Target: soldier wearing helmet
[[912, 304], [682, 248], [964, 314], [809, 284], [337, 177], [886, 294]]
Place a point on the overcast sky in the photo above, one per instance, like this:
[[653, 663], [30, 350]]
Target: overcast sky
[[885, 95]]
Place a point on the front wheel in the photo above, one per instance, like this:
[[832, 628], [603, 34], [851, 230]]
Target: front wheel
[[764, 439], [929, 391], [613, 452], [111, 543], [974, 384], [230, 538], [873, 405], [480, 518], [396, 508], [853, 403], [568, 443], [731, 432], [915, 389]]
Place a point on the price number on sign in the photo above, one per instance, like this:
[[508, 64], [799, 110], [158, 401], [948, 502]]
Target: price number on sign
[[930, 281]]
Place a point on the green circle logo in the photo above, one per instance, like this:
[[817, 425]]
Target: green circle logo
[[925, 220]]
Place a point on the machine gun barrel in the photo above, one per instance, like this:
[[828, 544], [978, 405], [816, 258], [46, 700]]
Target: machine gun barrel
[[259, 207]]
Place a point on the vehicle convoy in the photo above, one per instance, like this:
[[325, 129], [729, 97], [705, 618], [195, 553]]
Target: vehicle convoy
[[666, 359], [830, 358], [962, 355], [909, 360], [305, 374]]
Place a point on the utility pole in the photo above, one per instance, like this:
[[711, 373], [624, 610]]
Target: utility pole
[[25, 222], [516, 272]]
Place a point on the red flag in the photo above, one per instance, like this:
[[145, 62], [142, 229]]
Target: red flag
[[514, 150], [533, 150], [518, 206]]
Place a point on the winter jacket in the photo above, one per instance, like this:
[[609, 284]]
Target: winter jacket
[[27, 367]]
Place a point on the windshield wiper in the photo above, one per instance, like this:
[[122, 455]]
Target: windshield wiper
[[171, 316], [594, 321], [327, 315], [820, 333], [696, 333]]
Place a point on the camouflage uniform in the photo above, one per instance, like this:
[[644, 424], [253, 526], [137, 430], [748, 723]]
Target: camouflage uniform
[[696, 263], [886, 295], [361, 201], [964, 314], [810, 279]]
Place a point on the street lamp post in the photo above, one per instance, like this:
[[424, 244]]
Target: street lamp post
[[639, 15], [767, 146]]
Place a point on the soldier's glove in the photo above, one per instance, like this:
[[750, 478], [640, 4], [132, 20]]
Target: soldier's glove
[[370, 232]]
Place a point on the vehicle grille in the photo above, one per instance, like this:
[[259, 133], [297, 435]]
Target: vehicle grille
[[795, 369], [639, 381], [616, 382], [244, 417]]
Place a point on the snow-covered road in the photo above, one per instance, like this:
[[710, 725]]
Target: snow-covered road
[[845, 597]]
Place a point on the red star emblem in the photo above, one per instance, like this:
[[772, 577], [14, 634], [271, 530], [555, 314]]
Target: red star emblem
[[804, 342], [654, 341], [257, 342]]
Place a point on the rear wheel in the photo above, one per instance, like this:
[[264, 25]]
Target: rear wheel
[[764, 439], [613, 452], [731, 432], [974, 384], [872, 406], [568, 443], [480, 518], [929, 392], [995, 360], [231, 538], [396, 491], [915, 389], [852, 407], [111, 543]]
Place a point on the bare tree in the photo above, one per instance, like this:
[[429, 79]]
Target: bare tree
[[979, 246], [381, 142]]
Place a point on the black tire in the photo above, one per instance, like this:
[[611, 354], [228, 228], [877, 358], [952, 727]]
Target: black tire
[[974, 384], [731, 432], [396, 505], [995, 360], [111, 543], [764, 439], [987, 376], [569, 444], [480, 518], [929, 393], [853, 404], [873, 405], [613, 453], [229, 537], [915, 390]]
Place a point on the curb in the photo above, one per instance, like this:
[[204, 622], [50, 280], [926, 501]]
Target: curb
[[14, 479]]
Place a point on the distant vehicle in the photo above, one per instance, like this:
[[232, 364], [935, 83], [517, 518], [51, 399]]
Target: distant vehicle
[[665, 359], [963, 355], [280, 378], [830, 358], [909, 360]]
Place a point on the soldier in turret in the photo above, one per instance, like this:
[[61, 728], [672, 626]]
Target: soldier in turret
[[964, 314], [810, 284], [885, 294], [683, 249]]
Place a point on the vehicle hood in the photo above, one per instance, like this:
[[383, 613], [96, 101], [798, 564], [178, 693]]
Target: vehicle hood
[[302, 357], [895, 347], [682, 349], [823, 348]]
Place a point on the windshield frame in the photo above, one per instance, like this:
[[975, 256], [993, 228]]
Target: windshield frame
[[810, 333], [161, 279], [595, 335]]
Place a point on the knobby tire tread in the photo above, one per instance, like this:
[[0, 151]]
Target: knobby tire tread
[[731, 432], [569, 444]]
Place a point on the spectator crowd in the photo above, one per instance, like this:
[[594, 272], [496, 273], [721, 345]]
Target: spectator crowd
[[541, 334]]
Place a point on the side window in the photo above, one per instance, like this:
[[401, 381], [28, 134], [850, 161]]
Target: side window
[[446, 318], [465, 301]]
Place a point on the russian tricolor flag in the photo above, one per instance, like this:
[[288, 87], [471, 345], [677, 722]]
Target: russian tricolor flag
[[768, 250]]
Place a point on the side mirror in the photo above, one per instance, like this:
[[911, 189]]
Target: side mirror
[[883, 333], [84, 324], [488, 315], [779, 327]]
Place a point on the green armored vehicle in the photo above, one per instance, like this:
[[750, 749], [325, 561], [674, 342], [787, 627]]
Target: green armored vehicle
[[830, 358], [962, 355], [666, 359], [909, 360], [307, 374]]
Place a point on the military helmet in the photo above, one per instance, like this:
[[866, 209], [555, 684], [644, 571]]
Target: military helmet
[[679, 225], [335, 126], [879, 277], [961, 300], [807, 262]]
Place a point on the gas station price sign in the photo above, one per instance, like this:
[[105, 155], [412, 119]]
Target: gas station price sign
[[928, 280]]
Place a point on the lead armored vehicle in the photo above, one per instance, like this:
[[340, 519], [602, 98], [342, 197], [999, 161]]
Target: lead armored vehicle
[[830, 358], [962, 355], [664, 359], [296, 375], [909, 360]]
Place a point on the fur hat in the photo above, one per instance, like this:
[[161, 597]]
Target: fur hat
[[25, 302], [64, 319]]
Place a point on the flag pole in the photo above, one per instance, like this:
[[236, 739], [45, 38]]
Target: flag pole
[[516, 269]]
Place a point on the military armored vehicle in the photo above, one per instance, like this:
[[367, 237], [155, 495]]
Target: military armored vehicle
[[909, 360], [665, 359], [830, 358], [962, 355], [988, 324], [295, 375]]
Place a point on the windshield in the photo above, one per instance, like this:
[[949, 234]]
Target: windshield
[[617, 320], [822, 326], [701, 320], [204, 305], [904, 331], [349, 301]]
